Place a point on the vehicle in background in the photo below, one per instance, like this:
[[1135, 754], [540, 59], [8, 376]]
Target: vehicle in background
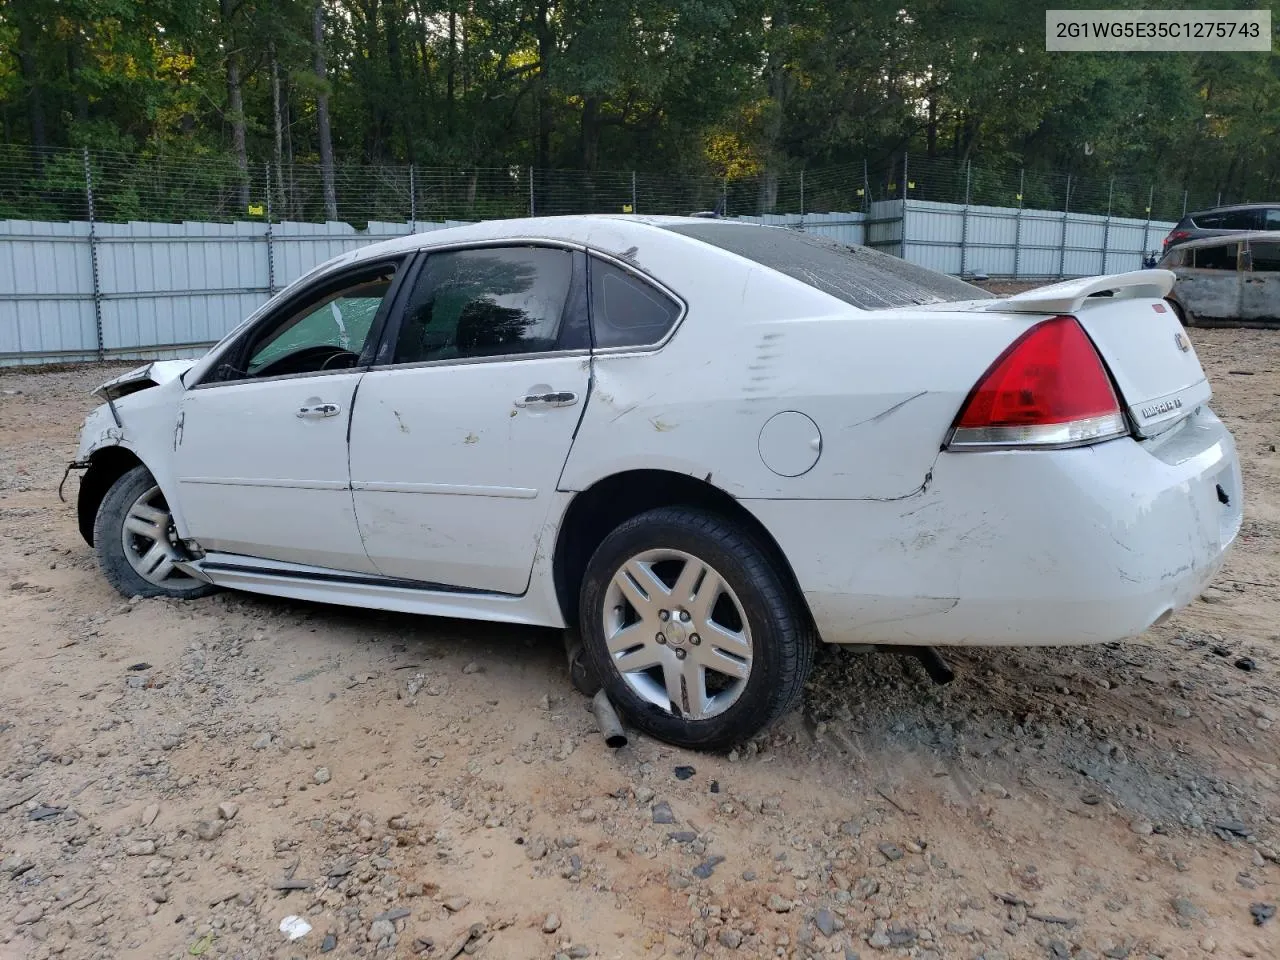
[[1221, 221], [1227, 280]]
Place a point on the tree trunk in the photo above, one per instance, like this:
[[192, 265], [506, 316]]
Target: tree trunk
[[403, 109], [278, 118], [322, 113], [779, 87], [450, 68], [591, 132], [235, 103], [75, 58], [28, 61], [931, 131], [542, 29]]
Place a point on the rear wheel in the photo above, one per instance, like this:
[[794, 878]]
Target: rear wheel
[[1178, 311], [692, 629], [137, 544]]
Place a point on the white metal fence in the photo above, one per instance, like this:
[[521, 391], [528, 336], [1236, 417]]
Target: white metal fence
[[85, 291]]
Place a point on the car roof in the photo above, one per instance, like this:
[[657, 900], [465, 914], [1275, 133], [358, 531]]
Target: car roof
[[573, 228], [1250, 235], [1233, 207]]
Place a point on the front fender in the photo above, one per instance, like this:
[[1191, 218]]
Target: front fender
[[145, 433]]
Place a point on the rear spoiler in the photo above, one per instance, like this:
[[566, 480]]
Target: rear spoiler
[[1070, 295]]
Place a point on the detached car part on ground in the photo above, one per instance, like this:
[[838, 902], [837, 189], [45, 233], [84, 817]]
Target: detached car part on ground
[[703, 444], [1227, 281]]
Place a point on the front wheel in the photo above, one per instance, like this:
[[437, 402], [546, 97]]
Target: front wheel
[[136, 543], [695, 633]]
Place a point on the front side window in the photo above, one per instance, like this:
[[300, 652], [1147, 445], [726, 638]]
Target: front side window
[[625, 310], [323, 330], [495, 301], [1219, 257]]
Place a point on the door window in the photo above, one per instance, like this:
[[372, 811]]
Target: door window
[[1265, 256], [1219, 257], [625, 310], [1242, 220], [325, 330], [1273, 219], [492, 301]]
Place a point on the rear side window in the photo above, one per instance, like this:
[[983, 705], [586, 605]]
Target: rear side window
[[1242, 220], [1220, 257], [1273, 219], [859, 276], [1266, 256], [626, 311], [493, 301]]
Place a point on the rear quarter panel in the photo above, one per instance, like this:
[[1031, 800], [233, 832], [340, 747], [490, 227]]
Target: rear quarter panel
[[882, 386]]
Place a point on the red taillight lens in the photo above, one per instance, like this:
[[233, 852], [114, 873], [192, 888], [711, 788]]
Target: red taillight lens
[[1048, 388], [1175, 237]]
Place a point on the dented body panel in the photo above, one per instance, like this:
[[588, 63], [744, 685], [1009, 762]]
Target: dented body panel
[[438, 488], [1087, 545]]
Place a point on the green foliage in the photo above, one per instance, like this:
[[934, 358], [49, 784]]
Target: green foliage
[[753, 90]]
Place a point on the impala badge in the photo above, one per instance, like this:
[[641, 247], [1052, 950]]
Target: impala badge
[[1181, 340]]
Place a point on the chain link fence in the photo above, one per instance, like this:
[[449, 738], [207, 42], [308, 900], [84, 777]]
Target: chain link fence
[[60, 184]]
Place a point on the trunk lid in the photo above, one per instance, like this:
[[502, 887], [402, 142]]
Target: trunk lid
[[1138, 335]]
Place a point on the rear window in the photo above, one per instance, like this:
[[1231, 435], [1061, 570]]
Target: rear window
[[1266, 256], [1229, 220], [859, 276]]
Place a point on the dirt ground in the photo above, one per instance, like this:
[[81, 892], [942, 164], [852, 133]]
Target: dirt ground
[[178, 778]]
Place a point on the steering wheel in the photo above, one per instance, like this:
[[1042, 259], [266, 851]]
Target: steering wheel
[[344, 354], [308, 360]]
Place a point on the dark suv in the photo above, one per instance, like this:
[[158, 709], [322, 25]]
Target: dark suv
[[1224, 220]]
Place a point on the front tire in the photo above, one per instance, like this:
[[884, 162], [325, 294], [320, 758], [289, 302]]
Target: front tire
[[695, 633], [136, 544]]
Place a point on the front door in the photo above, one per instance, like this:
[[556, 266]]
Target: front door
[[458, 442], [261, 446]]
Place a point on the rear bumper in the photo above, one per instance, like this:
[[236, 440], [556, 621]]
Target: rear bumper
[[1087, 545]]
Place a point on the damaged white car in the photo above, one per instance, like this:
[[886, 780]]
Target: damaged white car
[[707, 445]]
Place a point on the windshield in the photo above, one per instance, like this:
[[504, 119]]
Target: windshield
[[859, 276]]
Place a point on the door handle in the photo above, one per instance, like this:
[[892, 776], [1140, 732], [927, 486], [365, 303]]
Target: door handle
[[318, 411], [558, 399]]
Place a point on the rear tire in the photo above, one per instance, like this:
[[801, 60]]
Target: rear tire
[[693, 630], [136, 544], [1179, 312]]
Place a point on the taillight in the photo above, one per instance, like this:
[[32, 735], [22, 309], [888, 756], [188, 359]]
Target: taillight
[[1048, 389], [1176, 237]]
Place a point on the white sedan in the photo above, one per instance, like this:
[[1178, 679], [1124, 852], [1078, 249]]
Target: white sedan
[[706, 445]]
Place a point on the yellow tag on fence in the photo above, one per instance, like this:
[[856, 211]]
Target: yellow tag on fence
[[256, 209], [627, 208]]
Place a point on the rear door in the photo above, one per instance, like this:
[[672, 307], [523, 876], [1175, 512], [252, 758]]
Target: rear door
[[1260, 291], [1209, 283], [461, 432]]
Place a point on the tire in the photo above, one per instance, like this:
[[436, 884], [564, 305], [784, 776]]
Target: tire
[[759, 644], [1179, 312], [135, 496]]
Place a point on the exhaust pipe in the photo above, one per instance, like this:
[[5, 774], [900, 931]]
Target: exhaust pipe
[[607, 720]]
